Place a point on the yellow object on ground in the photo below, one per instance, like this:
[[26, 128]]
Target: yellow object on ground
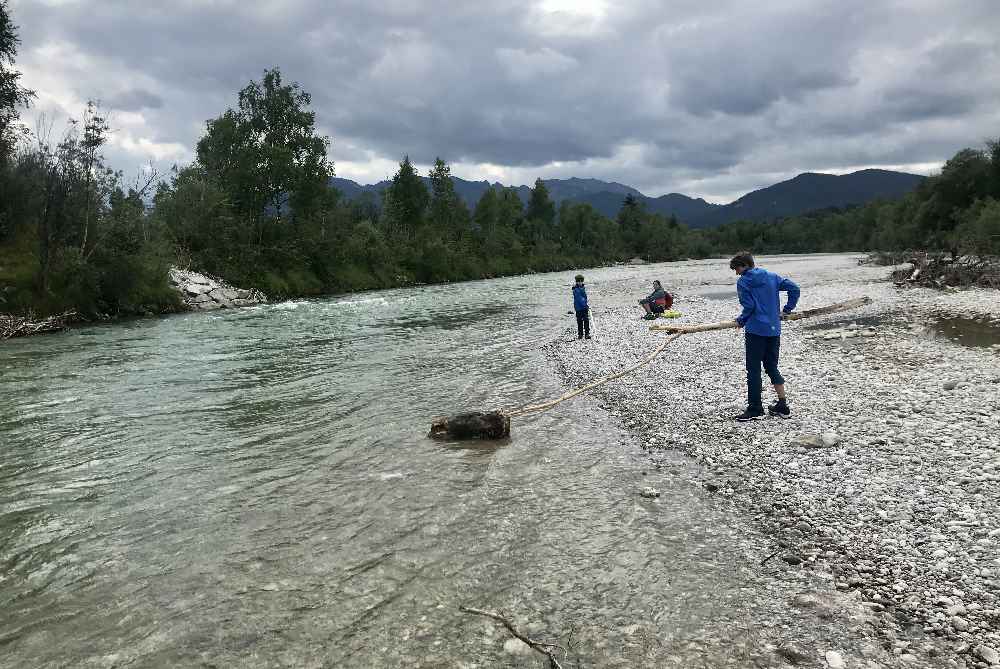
[[673, 313]]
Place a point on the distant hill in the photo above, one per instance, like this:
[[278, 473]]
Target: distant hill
[[811, 191], [807, 192]]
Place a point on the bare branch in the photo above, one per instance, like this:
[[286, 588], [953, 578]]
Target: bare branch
[[544, 648]]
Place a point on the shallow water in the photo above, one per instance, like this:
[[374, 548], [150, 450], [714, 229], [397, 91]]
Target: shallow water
[[255, 487], [965, 331]]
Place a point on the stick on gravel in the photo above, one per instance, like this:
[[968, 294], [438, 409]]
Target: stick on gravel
[[794, 316], [496, 424]]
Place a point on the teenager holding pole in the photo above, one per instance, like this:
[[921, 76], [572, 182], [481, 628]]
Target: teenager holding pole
[[759, 294]]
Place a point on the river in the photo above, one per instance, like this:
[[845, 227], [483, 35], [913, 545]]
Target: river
[[255, 488]]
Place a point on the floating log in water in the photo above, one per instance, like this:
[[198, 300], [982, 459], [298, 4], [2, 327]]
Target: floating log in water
[[472, 425]]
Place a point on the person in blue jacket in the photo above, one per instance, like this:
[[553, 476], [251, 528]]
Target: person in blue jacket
[[761, 322], [581, 308]]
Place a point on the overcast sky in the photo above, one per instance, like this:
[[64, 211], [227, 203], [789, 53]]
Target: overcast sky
[[706, 98]]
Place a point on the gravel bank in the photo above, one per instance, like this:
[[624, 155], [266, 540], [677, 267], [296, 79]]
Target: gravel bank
[[885, 484]]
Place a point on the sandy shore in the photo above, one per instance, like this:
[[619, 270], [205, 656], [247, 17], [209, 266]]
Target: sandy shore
[[885, 484]]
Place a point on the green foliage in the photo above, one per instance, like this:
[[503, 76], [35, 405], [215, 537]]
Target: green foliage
[[73, 237], [446, 210], [630, 220], [540, 206], [405, 201], [12, 94], [978, 230], [266, 154]]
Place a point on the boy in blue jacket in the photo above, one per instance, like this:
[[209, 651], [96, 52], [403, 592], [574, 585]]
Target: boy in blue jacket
[[581, 308], [761, 322]]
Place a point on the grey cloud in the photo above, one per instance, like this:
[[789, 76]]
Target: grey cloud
[[715, 95], [135, 99]]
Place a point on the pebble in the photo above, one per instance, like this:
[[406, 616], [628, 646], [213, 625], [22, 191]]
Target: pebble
[[830, 439], [987, 654], [834, 660], [650, 492]]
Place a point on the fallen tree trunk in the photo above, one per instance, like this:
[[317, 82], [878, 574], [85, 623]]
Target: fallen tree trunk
[[794, 316], [17, 326]]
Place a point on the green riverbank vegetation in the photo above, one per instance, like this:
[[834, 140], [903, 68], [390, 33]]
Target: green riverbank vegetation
[[256, 209]]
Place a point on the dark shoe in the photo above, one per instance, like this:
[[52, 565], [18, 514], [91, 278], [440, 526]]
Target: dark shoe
[[749, 415], [587, 337], [780, 409]]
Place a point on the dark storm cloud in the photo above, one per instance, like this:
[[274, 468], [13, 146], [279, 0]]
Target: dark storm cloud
[[720, 97]]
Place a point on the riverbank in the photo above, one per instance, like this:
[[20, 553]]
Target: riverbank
[[194, 292], [884, 485]]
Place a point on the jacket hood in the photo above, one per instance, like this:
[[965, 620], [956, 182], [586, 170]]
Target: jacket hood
[[755, 276]]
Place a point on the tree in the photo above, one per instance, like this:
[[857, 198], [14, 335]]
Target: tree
[[447, 210], [630, 218], [510, 209], [405, 200], [993, 151], [12, 94], [266, 154], [540, 206], [487, 213]]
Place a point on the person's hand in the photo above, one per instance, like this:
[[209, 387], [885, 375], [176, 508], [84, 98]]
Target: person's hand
[[738, 324]]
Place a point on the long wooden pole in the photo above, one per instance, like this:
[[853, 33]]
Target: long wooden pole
[[794, 316]]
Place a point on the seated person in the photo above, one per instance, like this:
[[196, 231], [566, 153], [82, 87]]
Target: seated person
[[656, 302]]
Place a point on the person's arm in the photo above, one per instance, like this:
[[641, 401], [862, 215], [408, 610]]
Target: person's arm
[[792, 289], [746, 301]]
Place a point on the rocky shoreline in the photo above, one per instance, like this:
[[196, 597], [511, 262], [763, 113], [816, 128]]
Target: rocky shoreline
[[201, 292], [885, 484], [197, 292]]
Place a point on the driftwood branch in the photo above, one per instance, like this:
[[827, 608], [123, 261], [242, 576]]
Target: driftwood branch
[[938, 270], [544, 648], [17, 326], [794, 316]]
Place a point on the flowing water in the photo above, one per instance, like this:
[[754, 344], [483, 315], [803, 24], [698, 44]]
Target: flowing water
[[255, 488]]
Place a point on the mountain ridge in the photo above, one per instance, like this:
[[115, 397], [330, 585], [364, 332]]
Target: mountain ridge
[[807, 191]]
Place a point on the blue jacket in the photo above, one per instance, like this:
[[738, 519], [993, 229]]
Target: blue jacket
[[758, 291], [579, 297]]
